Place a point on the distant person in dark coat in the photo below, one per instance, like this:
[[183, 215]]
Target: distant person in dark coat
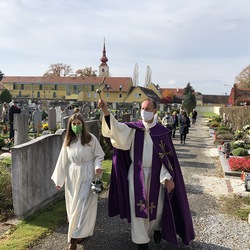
[[14, 109], [194, 116], [184, 126], [175, 123]]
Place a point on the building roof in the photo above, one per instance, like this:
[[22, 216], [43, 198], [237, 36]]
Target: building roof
[[114, 82], [148, 92], [215, 99]]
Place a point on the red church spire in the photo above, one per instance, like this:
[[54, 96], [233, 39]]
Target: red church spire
[[104, 59]]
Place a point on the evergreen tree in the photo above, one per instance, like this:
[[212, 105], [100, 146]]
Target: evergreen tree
[[189, 102], [188, 89], [5, 96], [1, 75]]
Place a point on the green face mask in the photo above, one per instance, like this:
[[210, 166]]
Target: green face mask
[[77, 129]]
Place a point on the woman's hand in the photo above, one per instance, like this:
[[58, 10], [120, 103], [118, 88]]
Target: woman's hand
[[169, 185], [98, 171]]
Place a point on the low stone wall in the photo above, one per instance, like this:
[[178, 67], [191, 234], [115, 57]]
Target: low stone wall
[[33, 163]]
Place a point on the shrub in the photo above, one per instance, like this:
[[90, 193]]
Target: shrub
[[219, 132], [2, 144], [225, 137], [222, 128], [217, 119], [240, 152], [6, 203], [214, 124], [239, 164]]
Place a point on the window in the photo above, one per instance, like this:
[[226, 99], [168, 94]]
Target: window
[[22, 86], [89, 94], [40, 86], [14, 86], [92, 88], [38, 94], [54, 94], [55, 87], [107, 95], [120, 95], [75, 89]]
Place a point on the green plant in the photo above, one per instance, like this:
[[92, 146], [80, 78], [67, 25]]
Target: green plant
[[6, 203], [240, 152], [225, 137], [217, 118], [214, 124], [220, 132], [238, 144], [2, 144], [222, 128]]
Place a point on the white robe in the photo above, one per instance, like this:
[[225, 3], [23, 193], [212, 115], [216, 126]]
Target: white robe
[[122, 137], [75, 168]]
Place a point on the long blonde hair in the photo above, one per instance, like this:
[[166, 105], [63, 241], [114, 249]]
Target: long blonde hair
[[71, 136]]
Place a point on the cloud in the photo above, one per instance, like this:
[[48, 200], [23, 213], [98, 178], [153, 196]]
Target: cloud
[[205, 42]]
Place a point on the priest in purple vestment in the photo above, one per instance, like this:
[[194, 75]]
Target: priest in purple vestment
[[147, 186]]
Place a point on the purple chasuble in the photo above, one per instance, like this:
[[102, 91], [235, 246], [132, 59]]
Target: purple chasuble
[[176, 215]]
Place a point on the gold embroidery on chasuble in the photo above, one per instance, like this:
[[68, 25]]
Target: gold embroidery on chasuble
[[151, 207], [165, 152], [141, 205]]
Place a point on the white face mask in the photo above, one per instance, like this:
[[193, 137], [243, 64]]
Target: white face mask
[[147, 116]]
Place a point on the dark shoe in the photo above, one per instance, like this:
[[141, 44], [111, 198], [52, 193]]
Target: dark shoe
[[72, 244], [79, 240], [157, 237], [142, 246]]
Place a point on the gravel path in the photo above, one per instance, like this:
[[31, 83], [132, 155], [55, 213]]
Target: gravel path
[[205, 183]]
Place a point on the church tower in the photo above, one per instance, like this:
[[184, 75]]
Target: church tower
[[104, 68]]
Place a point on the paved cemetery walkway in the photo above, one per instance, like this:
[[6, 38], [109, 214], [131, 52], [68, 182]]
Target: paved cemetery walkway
[[205, 183]]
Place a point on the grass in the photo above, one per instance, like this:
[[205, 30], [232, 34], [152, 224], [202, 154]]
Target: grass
[[41, 224], [235, 205], [38, 226], [208, 114]]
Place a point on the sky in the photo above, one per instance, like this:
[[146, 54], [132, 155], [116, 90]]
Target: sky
[[205, 43]]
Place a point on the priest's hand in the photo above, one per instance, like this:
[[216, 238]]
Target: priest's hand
[[103, 106], [169, 185], [58, 187]]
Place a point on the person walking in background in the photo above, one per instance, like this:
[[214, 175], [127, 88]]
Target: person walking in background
[[147, 186], [184, 127], [175, 123], [14, 109], [78, 164], [167, 121], [194, 116], [5, 113]]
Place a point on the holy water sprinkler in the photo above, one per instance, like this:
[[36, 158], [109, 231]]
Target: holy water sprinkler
[[98, 91]]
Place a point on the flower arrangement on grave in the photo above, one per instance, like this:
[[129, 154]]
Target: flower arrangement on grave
[[238, 144], [246, 127], [45, 126], [8, 143], [239, 164], [239, 134]]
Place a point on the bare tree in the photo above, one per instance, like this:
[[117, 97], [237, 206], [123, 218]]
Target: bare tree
[[59, 69], [243, 79], [87, 71]]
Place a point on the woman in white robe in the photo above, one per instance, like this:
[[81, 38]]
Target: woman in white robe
[[78, 164]]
